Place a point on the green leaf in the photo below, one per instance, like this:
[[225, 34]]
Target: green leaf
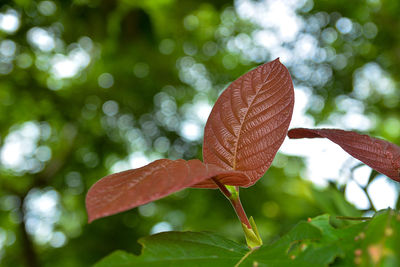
[[206, 249], [294, 249], [368, 243], [378, 244], [180, 249], [118, 258], [314, 243]]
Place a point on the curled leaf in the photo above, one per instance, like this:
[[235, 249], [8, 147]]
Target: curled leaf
[[380, 155], [128, 189], [249, 122]]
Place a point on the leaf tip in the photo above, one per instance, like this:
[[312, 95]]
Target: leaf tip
[[275, 61], [90, 219]]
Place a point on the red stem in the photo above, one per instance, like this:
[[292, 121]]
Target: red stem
[[235, 201], [223, 188], [237, 206]]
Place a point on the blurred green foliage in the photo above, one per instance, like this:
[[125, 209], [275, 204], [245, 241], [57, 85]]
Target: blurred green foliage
[[91, 87]]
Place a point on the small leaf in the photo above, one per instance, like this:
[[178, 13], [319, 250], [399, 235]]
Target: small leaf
[[380, 155], [253, 239], [249, 122], [125, 190]]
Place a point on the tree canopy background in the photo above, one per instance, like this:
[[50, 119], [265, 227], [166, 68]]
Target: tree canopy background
[[93, 87]]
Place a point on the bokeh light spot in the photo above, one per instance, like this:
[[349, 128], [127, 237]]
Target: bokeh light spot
[[105, 80]]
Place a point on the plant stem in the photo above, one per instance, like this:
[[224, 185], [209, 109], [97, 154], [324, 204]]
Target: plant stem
[[235, 201], [237, 206], [369, 199], [223, 188], [365, 189], [249, 227]]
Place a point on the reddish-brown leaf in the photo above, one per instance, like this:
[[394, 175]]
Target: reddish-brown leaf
[[125, 190], [249, 122], [379, 154]]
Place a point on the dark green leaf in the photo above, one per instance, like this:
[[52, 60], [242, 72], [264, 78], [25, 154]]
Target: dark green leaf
[[314, 243], [180, 249]]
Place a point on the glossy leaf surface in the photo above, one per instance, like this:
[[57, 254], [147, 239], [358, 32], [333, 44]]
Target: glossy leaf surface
[[249, 121], [128, 189], [314, 243], [379, 154]]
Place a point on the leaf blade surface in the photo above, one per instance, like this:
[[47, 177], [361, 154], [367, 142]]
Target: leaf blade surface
[[249, 121], [314, 243], [125, 190], [379, 154], [180, 249]]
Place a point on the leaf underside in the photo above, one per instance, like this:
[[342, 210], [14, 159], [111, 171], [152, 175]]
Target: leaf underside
[[249, 122], [125, 190], [380, 155], [308, 244]]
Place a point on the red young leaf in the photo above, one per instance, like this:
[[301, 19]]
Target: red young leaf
[[249, 122], [125, 190], [379, 154]]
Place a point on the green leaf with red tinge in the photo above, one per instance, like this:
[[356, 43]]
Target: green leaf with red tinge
[[249, 122], [380, 155], [125, 190]]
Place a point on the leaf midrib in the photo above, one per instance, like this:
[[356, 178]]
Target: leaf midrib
[[247, 112]]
